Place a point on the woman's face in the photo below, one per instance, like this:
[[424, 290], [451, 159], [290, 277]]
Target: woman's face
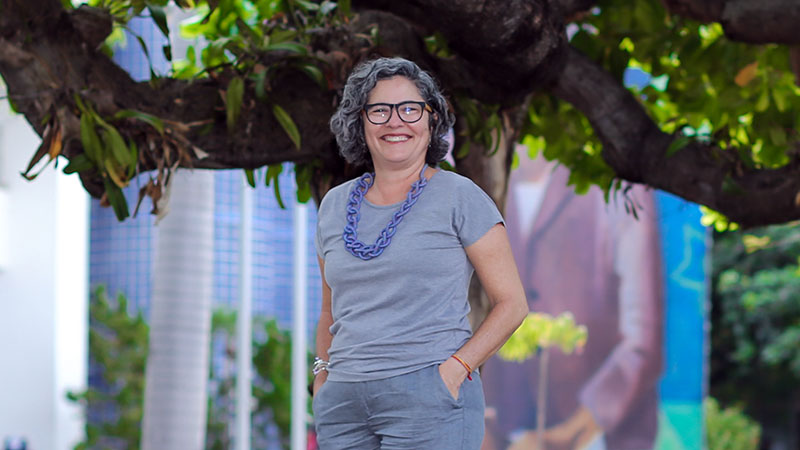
[[396, 144]]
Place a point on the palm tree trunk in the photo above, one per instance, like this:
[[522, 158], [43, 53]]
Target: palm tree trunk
[[175, 402]]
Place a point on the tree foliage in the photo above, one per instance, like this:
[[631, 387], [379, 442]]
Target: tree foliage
[[729, 428], [715, 123], [113, 403], [118, 351], [755, 330]]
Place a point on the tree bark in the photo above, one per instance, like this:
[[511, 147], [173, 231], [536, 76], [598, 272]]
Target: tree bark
[[491, 173], [175, 402], [753, 22], [636, 149], [501, 54]]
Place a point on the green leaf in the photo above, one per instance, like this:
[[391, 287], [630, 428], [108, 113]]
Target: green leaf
[[344, 8], [260, 84], [535, 145], [273, 171], [78, 163], [326, 7], [158, 15], [498, 131], [763, 101], [251, 177], [134, 152], [463, 151], [167, 49], [291, 47], [730, 186], [779, 95], [618, 62], [677, 144], [303, 179], [446, 166], [233, 101], [746, 156], [303, 193], [587, 44], [288, 124], [117, 200], [146, 54], [90, 139], [778, 135], [149, 119], [79, 102], [119, 150], [279, 35], [315, 74], [308, 6]]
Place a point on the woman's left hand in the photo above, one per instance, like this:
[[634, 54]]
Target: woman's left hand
[[453, 374]]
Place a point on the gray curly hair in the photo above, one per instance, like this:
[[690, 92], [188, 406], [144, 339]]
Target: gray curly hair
[[347, 123]]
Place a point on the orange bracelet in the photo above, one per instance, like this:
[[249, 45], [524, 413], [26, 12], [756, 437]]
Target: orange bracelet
[[466, 366]]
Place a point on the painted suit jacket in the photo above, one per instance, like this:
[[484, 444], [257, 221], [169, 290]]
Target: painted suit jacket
[[595, 260]]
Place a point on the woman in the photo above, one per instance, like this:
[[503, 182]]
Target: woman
[[394, 344]]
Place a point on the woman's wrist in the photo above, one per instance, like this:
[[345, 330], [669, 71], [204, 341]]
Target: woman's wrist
[[319, 372], [319, 380], [320, 365], [463, 364], [452, 373]]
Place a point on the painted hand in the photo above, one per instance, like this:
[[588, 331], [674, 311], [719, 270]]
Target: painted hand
[[573, 434]]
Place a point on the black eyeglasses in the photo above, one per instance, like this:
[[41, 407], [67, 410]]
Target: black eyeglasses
[[409, 112]]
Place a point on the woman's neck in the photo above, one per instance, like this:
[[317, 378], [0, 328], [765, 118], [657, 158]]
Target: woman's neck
[[392, 185]]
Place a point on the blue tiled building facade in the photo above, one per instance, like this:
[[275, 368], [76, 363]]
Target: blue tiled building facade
[[121, 253]]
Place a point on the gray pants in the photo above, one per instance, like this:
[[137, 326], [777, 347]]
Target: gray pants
[[411, 411]]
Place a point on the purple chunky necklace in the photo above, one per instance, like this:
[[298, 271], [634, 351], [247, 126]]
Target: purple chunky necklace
[[350, 236]]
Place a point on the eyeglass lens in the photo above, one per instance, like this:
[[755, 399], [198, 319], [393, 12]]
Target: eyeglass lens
[[380, 113]]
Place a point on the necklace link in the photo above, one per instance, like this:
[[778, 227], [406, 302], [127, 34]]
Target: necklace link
[[350, 235]]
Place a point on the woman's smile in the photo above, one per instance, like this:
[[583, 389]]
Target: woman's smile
[[396, 137]]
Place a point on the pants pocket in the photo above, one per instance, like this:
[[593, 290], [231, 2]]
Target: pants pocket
[[443, 391]]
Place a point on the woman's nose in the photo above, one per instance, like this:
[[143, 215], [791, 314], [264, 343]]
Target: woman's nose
[[394, 119]]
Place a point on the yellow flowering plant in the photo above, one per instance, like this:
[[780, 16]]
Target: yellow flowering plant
[[540, 330]]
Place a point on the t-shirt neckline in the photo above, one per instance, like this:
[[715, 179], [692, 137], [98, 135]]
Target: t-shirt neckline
[[396, 205]]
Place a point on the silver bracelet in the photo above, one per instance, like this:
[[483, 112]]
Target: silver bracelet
[[319, 365]]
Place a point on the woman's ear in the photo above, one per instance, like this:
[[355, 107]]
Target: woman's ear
[[434, 118]]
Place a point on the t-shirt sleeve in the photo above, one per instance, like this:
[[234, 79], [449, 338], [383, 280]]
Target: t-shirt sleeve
[[324, 208], [317, 241], [475, 213]]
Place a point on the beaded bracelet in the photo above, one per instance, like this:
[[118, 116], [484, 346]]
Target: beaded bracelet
[[466, 366]]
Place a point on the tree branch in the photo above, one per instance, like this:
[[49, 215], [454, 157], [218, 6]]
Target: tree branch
[[571, 9], [753, 22], [503, 50], [46, 61], [636, 149]]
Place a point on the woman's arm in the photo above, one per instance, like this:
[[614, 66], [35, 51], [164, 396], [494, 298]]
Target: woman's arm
[[494, 264], [324, 336]]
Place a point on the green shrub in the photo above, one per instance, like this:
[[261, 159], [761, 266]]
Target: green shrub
[[729, 428], [118, 349], [118, 345]]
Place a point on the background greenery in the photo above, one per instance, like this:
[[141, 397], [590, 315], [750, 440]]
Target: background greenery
[[755, 332], [113, 404]]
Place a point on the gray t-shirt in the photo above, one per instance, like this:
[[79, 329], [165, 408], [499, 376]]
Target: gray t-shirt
[[406, 309]]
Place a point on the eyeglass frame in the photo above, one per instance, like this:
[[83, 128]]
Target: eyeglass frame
[[395, 107]]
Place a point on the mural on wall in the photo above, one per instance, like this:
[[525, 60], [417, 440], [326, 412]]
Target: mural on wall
[[617, 273]]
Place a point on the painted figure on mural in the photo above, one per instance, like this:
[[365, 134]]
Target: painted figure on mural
[[578, 253]]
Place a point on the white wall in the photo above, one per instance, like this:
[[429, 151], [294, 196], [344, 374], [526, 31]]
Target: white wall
[[43, 295]]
